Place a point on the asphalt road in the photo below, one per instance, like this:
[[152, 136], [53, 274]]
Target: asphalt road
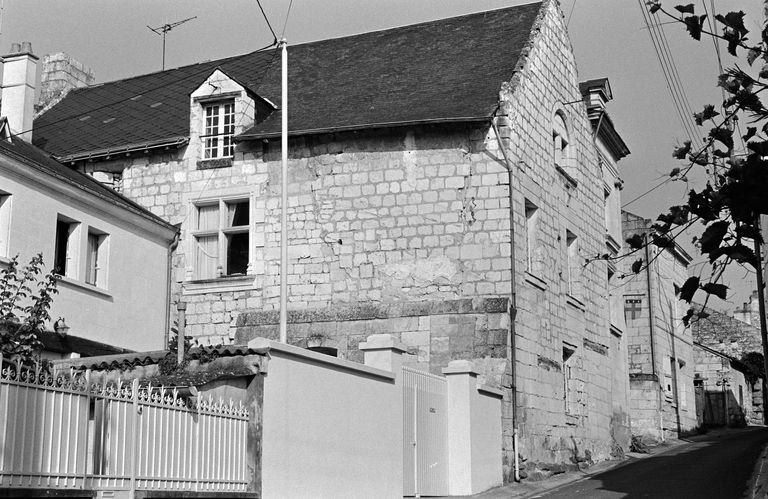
[[719, 466]]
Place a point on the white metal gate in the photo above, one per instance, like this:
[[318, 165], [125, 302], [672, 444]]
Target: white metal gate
[[425, 453]]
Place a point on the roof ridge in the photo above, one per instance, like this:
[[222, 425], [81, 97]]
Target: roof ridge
[[218, 62]]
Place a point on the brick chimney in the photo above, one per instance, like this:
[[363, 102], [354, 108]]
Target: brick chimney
[[60, 74], [18, 89]]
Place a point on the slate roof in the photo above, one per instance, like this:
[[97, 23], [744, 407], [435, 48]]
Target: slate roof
[[438, 71], [39, 160]]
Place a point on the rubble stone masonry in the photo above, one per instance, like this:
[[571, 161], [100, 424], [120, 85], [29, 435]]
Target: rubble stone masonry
[[407, 231]]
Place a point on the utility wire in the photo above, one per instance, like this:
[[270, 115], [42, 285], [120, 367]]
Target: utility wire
[[573, 7], [666, 67], [285, 25], [668, 179], [132, 96], [267, 19], [685, 103]]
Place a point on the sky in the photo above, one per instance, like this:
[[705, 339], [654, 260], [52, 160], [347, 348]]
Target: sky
[[608, 37]]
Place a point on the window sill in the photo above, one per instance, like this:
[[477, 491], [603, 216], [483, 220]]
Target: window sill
[[572, 182], [575, 302], [535, 281], [571, 419], [219, 285], [612, 243], [74, 283], [210, 164]]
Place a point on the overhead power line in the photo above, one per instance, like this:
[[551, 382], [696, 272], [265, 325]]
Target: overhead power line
[[671, 75]]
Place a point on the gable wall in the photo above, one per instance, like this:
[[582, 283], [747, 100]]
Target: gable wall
[[549, 315]]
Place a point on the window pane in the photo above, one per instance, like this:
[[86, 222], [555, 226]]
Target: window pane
[[208, 217], [207, 257], [237, 253], [60, 256], [92, 259], [237, 213]]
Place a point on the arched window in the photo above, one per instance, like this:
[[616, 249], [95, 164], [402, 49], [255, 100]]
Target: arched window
[[560, 141]]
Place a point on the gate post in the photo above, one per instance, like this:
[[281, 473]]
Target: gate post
[[382, 351], [461, 379]]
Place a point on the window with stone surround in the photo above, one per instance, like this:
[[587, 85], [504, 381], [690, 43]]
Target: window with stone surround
[[573, 265], [669, 378], [532, 250], [221, 238], [560, 141], [218, 130], [568, 382]]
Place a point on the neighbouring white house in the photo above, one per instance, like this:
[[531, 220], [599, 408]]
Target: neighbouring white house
[[112, 254]]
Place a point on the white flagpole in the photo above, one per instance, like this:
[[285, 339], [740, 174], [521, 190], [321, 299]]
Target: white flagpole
[[284, 206]]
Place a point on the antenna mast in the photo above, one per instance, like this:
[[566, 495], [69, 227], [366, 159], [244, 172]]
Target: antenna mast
[[164, 29]]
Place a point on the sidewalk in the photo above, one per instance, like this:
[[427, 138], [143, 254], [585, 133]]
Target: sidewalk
[[528, 489]]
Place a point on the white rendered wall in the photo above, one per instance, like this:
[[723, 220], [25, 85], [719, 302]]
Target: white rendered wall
[[129, 311], [331, 428]]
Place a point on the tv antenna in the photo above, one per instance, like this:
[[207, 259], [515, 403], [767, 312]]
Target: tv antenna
[[165, 28]]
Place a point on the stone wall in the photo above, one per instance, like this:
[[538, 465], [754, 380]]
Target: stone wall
[[717, 374], [660, 355], [727, 334], [407, 231]]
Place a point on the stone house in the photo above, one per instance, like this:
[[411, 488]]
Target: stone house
[[446, 193], [732, 339], [112, 254], [727, 391], [611, 148], [660, 351]]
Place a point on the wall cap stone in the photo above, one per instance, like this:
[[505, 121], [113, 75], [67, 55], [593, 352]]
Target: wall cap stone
[[382, 342], [460, 367]]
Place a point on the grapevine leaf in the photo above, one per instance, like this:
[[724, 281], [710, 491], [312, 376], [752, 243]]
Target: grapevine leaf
[[708, 113], [694, 24], [751, 131], [713, 235], [637, 265], [635, 241], [682, 151], [684, 9], [722, 135], [753, 54], [719, 290], [688, 289]]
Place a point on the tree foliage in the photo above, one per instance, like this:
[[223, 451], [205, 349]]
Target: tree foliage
[[733, 198], [25, 300]]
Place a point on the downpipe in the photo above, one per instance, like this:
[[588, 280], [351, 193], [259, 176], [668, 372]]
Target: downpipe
[[512, 302]]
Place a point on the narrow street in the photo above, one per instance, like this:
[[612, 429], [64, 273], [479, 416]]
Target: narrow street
[[718, 466]]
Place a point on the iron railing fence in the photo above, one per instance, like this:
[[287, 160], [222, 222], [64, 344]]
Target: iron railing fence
[[64, 432]]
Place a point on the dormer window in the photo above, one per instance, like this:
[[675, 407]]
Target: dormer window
[[219, 130]]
